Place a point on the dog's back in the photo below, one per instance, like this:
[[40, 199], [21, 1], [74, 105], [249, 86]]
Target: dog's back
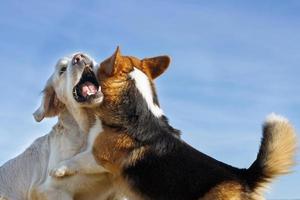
[[19, 174], [152, 162]]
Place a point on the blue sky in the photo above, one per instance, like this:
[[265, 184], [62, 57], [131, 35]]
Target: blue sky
[[233, 62]]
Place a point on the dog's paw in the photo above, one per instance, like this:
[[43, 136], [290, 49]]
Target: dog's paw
[[62, 171]]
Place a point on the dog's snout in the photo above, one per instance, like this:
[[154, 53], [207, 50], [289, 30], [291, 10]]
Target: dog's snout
[[82, 60], [78, 58]]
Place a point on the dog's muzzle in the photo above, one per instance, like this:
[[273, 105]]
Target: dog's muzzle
[[88, 88]]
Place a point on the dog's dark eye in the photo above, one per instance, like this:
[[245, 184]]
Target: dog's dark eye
[[62, 70]]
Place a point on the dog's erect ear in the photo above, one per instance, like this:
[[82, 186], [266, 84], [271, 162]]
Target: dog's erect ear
[[156, 65], [50, 105], [110, 65]]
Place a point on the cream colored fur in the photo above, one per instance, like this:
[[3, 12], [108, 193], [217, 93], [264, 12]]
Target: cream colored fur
[[26, 177], [277, 150]]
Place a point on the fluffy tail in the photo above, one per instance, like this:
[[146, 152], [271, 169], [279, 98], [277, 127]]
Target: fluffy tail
[[276, 154]]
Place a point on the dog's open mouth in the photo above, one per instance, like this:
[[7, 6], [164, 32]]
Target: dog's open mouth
[[87, 88]]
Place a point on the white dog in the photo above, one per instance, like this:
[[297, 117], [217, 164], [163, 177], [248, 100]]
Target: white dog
[[69, 94]]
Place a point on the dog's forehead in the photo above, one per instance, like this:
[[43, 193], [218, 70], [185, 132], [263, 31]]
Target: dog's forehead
[[137, 63], [133, 61], [130, 62], [64, 61]]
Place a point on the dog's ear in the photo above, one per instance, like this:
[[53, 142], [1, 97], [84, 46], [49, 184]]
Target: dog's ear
[[109, 66], [156, 65], [50, 106]]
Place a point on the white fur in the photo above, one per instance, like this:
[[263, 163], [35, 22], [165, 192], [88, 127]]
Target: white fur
[[273, 117], [28, 174], [143, 84], [38, 114], [26, 177], [84, 162], [93, 133]]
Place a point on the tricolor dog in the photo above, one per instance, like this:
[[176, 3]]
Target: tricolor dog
[[69, 94], [148, 159]]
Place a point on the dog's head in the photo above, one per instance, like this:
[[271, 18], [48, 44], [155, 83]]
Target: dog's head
[[127, 83], [72, 85]]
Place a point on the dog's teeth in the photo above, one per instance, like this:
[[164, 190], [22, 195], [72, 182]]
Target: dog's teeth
[[75, 93]]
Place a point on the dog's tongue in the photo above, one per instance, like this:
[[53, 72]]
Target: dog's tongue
[[88, 88]]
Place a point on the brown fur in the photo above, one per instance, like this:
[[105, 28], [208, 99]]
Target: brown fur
[[115, 149], [52, 105], [111, 149], [113, 73], [226, 191]]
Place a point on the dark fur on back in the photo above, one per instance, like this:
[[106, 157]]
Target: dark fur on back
[[147, 154], [139, 122], [170, 169]]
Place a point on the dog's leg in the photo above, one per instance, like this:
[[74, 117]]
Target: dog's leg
[[83, 163]]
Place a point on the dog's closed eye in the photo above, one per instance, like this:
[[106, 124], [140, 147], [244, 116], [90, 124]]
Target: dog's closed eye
[[62, 70]]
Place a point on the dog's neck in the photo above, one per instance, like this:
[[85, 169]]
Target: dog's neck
[[67, 121], [138, 121], [80, 118]]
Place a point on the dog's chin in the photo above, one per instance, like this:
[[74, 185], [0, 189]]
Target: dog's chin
[[92, 100], [87, 91]]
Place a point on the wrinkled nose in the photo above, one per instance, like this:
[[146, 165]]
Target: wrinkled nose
[[81, 59]]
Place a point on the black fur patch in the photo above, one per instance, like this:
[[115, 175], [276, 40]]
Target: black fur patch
[[171, 169], [138, 120]]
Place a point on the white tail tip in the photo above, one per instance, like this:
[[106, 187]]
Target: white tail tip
[[274, 118]]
